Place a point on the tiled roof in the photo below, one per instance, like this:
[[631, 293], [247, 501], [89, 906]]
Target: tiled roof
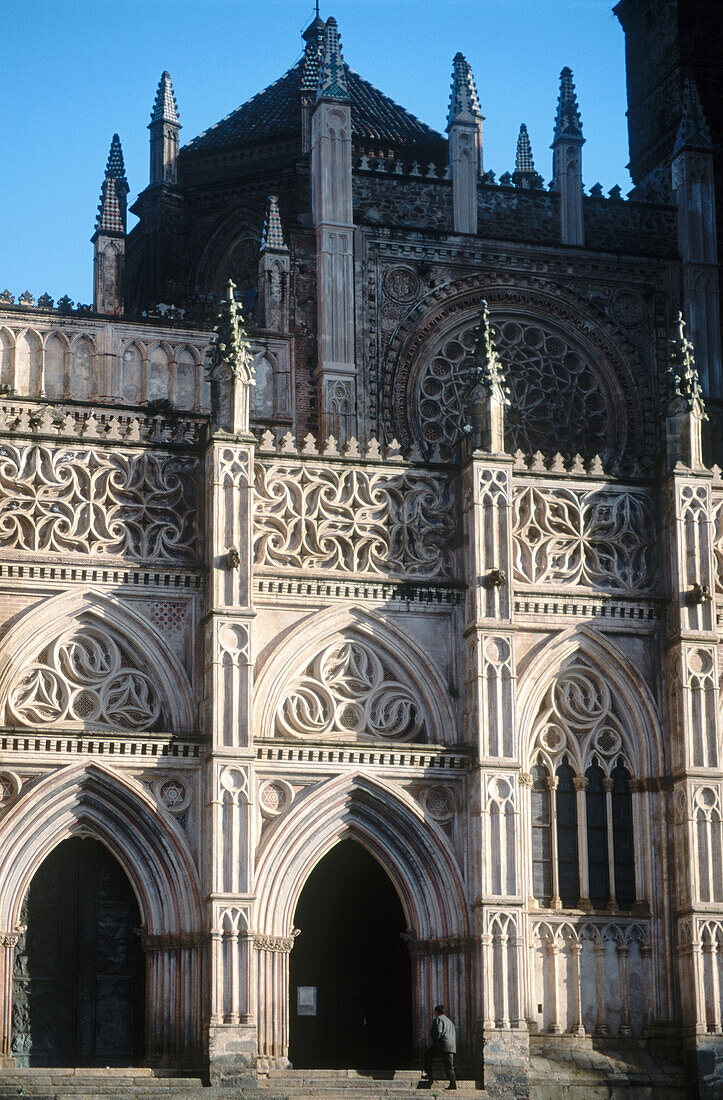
[[275, 113]]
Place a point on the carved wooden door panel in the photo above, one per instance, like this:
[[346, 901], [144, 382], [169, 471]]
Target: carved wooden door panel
[[78, 980]]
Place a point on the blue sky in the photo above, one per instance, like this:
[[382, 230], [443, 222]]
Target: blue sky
[[76, 71]]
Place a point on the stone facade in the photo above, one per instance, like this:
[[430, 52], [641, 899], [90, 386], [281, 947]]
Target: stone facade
[[376, 561]]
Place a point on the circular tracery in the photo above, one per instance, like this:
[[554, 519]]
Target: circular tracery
[[558, 402]]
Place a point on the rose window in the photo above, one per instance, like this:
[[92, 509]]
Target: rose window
[[557, 401]]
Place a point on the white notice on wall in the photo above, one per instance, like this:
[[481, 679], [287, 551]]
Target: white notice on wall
[[306, 1000]]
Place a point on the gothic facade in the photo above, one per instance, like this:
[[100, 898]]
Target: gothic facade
[[410, 535]]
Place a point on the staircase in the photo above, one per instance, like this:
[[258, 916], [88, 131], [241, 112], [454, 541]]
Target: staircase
[[554, 1075]]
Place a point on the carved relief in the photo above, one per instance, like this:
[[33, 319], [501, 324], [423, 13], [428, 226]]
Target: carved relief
[[275, 797], [597, 537], [354, 520], [173, 793], [56, 499], [349, 691], [86, 678]]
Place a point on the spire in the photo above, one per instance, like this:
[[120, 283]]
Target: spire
[[165, 108], [487, 367], [524, 174], [332, 73], [693, 131], [463, 101], [314, 38], [568, 125], [683, 376], [231, 368], [112, 207], [273, 234]]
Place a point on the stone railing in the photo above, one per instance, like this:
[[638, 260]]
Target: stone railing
[[358, 512]]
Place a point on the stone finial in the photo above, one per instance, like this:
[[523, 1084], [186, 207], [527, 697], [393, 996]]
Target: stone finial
[[683, 380], [568, 124], [463, 101], [112, 206], [488, 393], [332, 73], [693, 132], [165, 108], [231, 370], [524, 174], [272, 235]]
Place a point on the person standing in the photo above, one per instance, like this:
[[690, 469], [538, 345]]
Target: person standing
[[444, 1046]]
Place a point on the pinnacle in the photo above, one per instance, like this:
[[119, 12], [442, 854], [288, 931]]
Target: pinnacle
[[693, 130], [523, 158], [112, 206], [332, 75], [314, 38], [273, 234], [115, 166], [463, 101], [165, 108], [568, 124]]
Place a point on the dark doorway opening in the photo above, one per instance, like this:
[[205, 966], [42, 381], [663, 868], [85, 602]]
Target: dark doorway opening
[[78, 987], [351, 961]]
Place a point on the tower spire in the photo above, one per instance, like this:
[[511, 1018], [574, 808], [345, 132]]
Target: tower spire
[[332, 74], [567, 146], [463, 101], [524, 174], [109, 239], [568, 124], [114, 190], [464, 127], [164, 127], [693, 132]]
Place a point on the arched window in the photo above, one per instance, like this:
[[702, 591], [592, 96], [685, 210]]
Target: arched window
[[567, 855], [623, 836], [541, 835], [597, 837]]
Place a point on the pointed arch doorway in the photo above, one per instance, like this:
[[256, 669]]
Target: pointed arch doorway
[[78, 984], [350, 972]]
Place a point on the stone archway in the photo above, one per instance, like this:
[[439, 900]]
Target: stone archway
[[91, 800], [418, 858]]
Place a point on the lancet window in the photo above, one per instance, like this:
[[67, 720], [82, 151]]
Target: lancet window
[[581, 814]]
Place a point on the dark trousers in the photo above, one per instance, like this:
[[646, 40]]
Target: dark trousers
[[447, 1057]]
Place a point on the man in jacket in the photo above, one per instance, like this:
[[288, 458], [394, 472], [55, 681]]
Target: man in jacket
[[444, 1046]]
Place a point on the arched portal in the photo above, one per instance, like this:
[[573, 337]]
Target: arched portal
[[350, 982], [78, 978]]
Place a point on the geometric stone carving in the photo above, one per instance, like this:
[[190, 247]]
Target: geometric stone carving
[[597, 537], [85, 678], [174, 794], [557, 400], [350, 519], [275, 797], [96, 502], [348, 691], [439, 803]]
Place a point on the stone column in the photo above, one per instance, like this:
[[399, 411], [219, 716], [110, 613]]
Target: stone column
[[228, 686], [8, 943], [490, 719], [694, 714], [331, 203]]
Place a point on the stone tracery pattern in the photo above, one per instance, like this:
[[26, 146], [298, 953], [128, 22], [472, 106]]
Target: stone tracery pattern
[[580, 716], [358, 520], [87, 500], [557, 401], [85, 678], [349, 691], [597, 537]]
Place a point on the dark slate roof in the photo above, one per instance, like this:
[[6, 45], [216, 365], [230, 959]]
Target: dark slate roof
[[275, 113]]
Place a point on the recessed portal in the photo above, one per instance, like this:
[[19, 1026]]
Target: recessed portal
[[78, 986], [350, 973]]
